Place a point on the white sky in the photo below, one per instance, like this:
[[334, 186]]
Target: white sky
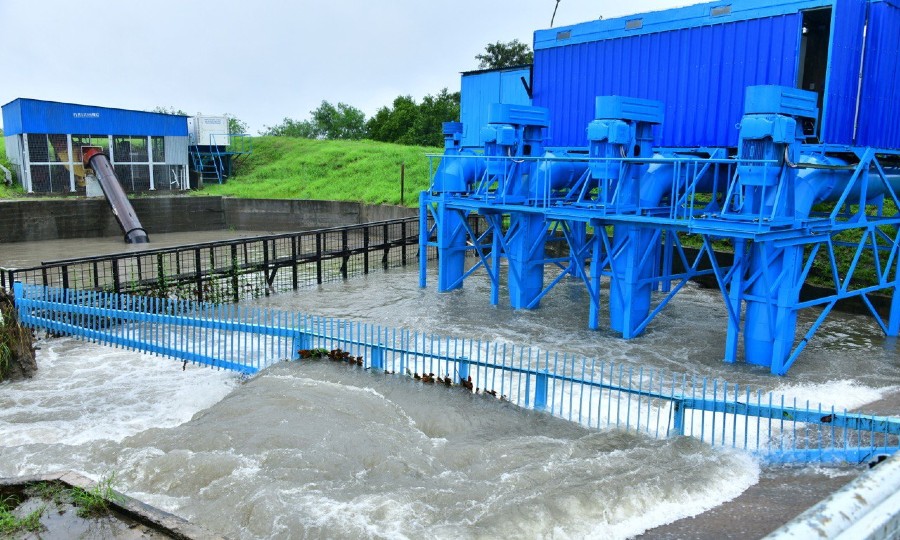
[[263, 60]]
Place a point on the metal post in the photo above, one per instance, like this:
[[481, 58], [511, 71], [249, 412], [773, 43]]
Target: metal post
[[302, 342], [266, 266], [65, 276], [117, 285], [405, 241], [496, 250], [463, 368], [735, 297], [540, 390], [366, 250], [71, 163], [424, 203], [198, 275], [386, 247], [235, 286], [345, 255], [319, 258], [295, 248], [596, 270], [377, 361], [678, 407]]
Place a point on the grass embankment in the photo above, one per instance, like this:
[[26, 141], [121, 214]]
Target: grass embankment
[[364, 171]]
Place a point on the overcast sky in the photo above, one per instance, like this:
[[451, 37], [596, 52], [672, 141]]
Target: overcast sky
[[263, 60]]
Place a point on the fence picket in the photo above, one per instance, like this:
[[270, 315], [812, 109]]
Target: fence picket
[[236, 338]]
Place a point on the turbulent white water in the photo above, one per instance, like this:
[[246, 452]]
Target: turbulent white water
[[324, 450]]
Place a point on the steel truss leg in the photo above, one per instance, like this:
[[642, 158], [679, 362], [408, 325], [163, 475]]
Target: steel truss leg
[[634, 252], [894, 315], [424, 234], [526, 259], [577, 242], [598, 263], [451, 245], [771, 318]]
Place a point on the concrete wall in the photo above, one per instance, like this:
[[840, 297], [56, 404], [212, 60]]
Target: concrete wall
[[295, 215], [36, 219], [49, 219]]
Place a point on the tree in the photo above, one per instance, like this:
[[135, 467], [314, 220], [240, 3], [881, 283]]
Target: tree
[[501, 55], [341, 122], [433, 112], [168, 110], [407, 122], [327, 121], [291, 128], [236, 125]]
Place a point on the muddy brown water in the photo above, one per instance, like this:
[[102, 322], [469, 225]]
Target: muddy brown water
[[319, 450]]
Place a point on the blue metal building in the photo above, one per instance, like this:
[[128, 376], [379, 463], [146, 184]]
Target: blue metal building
[[771, 125], [44, 141], [479, 89], [699, 59]]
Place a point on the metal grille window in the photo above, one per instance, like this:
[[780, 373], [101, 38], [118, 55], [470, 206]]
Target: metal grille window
[[50, 178], [167, 177], [50, 167], [38, 148], [130, 150], [159, 149], [54, 162], [80, 141]]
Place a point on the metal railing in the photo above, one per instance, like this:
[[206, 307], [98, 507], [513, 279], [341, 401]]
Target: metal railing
[[234, 269], [590, 392]]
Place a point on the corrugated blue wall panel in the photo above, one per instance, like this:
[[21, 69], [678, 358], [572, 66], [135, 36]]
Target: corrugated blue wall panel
[[35, 116], [879, 112], [839, 108], [12, 118], [698, 73], [480, 89]]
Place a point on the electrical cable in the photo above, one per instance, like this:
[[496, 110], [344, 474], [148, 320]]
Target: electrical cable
[[792, 165], [553, 18]]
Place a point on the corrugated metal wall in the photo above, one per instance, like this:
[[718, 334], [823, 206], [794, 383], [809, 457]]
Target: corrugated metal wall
[[13, 151], [699, 74], [176, 150], [481, 89], [36, 116], [848, 21], [879, 115]]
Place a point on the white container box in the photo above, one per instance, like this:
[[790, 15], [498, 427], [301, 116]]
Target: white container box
[[208, 130]]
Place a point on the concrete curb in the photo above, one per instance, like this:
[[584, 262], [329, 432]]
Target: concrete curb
[[161, 521]]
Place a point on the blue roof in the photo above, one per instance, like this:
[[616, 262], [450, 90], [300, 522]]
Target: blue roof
[[25, 115], [671, 19]]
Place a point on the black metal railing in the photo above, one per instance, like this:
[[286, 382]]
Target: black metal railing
[[234, 269]]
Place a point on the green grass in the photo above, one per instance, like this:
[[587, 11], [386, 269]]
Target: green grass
[[10, 524], [363, 171], [94, 501]]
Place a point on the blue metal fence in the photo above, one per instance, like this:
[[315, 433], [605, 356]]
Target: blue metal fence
[[590, 392]]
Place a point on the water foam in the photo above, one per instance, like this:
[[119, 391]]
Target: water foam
[[85, 392]]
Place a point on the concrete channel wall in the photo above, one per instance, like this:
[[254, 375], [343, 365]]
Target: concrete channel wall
[[50, 219], [868, 508]]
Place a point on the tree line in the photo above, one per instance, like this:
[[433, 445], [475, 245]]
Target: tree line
[[405, 121]]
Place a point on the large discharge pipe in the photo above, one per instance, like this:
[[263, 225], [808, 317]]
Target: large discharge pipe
[[115, 195]]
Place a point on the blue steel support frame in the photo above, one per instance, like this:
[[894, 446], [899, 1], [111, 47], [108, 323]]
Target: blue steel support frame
[[770, 237], [755, 202]]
